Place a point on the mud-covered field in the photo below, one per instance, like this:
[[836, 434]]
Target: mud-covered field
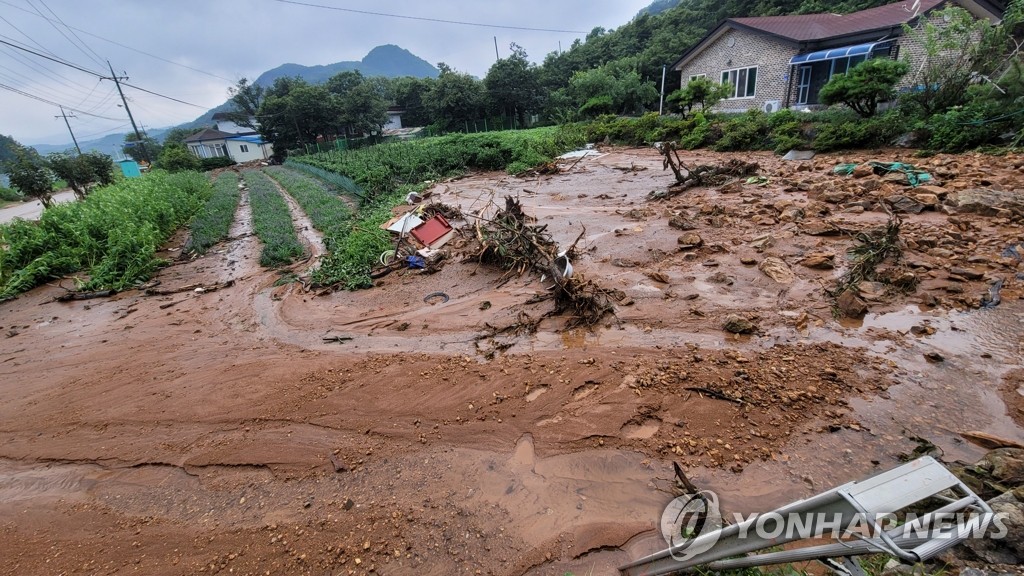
[[263, 428]]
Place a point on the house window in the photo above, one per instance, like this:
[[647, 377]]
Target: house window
[[843, 65], [243, 147], [742, 80], [697, 77]]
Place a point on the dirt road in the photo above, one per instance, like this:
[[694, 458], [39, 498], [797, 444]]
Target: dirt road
[[263, 429]]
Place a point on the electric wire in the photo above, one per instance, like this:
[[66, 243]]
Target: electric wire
[[425, 19]]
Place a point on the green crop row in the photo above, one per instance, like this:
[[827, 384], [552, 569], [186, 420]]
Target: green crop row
[[271, 221], [112, 236], [326, 211], [381, 170], [342, 184], [213, 222]]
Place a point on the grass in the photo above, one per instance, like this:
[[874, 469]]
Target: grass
[[342, 184], [112, 235], [213, 223], [387, 172], [271, 221], [326, 210]]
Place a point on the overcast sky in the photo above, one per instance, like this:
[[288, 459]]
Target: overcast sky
[[229, 39]]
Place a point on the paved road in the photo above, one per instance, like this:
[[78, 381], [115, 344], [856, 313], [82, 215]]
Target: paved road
[[31, 210]]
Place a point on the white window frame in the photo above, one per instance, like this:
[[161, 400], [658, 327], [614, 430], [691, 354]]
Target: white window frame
[[697, 77], [726, 78], [244, 148]]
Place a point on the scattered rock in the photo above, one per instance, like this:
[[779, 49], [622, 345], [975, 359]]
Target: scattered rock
[[934, 357], [690, 240], [777, 269], [905, 204], [721, 278], [863, 170], [987, 202], [871, 291], [681, 223], [748, 261], [851, 305], [834, 196], [966, 273], [792, 214], [930, 201], [761, 242], [737, 324], [819, 261]]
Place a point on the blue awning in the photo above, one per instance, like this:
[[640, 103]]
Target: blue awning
[[835, 53]]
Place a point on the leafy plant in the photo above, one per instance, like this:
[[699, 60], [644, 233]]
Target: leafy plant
[[176, 157], [30, 175], [272, 221], [10, 195], [213, 222], [865, 85], [207, 164], [699, 91], [112, 235]]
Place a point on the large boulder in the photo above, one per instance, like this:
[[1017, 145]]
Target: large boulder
[[987, 202]]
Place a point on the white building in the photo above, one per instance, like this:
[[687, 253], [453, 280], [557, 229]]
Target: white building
[[212, 143]]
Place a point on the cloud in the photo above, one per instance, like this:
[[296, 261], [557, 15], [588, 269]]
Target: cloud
[[230, 39]]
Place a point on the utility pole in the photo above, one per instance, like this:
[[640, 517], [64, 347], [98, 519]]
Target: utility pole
[[68, 124], [496, 56], [661, 105], [117, 82]]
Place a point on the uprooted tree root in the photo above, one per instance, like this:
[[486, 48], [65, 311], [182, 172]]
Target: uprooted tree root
[[512, 241], [873, 248], [700, 175]]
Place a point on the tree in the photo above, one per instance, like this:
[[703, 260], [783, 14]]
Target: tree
[[956, 54], [246, 99], [513, 85], [864, 85], [611, 89], [83, 171], [30, 175], [410, 94], [133, 149], [178, 135], [364, 109], [455, 98], [361, 101], [699, 91], [177, 158], [295, 112]]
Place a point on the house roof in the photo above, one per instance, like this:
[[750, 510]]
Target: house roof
[[816, 27], [819, 30], [208, 134]]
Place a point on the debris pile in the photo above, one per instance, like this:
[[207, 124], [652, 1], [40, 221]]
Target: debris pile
[[700, 175], [512, 241]]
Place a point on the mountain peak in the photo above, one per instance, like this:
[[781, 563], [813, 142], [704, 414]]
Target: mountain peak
[[387, 60]]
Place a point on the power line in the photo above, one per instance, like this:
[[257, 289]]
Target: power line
[[52, 103], [424, 19], [11, 24], [52, 59], [97, 74], [125, 46], [89, 48], [62, 33]]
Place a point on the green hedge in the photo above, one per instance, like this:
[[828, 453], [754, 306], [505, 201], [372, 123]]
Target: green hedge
[[213, 223]]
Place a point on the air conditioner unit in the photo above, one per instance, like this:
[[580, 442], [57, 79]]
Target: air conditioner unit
[[772, 106]]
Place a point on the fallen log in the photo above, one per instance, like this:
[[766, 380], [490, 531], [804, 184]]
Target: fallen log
[[201, 288], [84, 295]]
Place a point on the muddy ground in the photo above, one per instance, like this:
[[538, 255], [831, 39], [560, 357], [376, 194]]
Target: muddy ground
[[262, 429]]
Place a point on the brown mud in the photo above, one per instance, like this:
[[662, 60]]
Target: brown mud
[[260, 428]]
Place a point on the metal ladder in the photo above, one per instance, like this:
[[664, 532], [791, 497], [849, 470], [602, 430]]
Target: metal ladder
[[865, 501]]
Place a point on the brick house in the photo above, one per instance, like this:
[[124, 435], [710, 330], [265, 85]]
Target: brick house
[[775, 62]]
